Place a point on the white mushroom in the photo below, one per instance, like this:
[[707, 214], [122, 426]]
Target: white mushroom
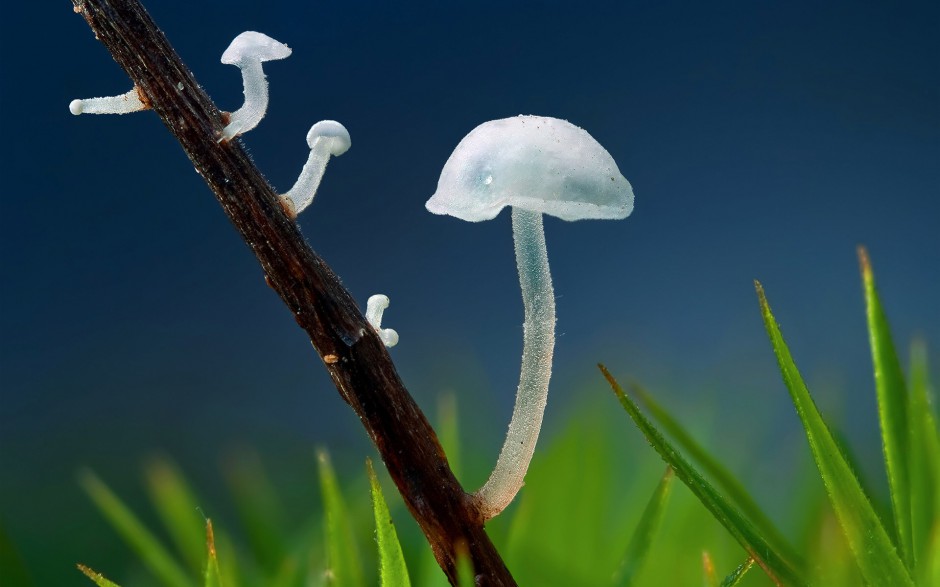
[[123, 104], [248, 51], [325, 138], [375, 307], [537, 166]]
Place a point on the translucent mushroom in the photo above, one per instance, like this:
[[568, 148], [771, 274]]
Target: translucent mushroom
[[248, 51], [375, 307], [123, 104], [325, 138], [537, 166]]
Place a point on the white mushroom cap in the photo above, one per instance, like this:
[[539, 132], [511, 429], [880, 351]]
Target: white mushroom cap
[[332, 130], [541, 164], [253, 46]]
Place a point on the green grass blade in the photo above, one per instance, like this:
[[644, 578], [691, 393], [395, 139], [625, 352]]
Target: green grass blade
[[392, 569], [178, 510], [345, 564], [213, 576], [154, 555], [892, 409], [923, 455], [646, 530], [449, 430], [720, 474], [709, 576], [773, 562], [259, 509], [873, 549], [737, 574], [95, 576], [465, 573]]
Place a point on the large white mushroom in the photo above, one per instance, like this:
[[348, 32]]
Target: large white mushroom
[[536, 165], [248, 51]]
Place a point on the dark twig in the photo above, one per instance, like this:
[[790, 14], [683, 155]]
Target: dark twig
[[351, 351]]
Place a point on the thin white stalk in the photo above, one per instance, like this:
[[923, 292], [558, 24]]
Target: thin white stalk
[[256, 100], [123, 104], [375, 307], [538, 298], [305, 188]]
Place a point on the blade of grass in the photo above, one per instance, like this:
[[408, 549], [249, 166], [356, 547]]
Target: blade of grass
[[710, 577], [392, 569], [178, 510], [720, 474], [873, 549], [645, 530], [95, 576], [923, 456], [213, 577], [345, 564], [465, 574], [774, 564], [259, 509], [892, 409], [737, 574], [154, 555]]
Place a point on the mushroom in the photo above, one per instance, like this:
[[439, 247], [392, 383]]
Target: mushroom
[[536, 165], [375, 307], [325, 138], [128, 102], [248, 51]]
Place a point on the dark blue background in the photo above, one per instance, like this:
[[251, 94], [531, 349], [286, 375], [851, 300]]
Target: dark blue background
[[763, 140]]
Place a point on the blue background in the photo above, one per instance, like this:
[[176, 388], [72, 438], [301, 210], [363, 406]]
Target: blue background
[[763, 140]]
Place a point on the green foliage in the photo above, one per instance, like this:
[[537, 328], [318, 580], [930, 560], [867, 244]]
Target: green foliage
[[586, 516], [392, 569]]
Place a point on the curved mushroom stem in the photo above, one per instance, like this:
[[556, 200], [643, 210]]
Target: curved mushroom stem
[[375, 307], [301, 195], [256, 101], [538, 345]]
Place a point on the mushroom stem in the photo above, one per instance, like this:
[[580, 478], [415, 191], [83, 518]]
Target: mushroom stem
[[305, 188], [256, 100], [538, 298], [123, 104]]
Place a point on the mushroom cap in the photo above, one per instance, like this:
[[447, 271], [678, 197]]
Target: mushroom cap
[[253, 46], [534, 162], [332, 130]]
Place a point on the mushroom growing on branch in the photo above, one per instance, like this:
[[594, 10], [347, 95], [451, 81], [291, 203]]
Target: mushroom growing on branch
[[536, 165], [324, 138], [248, 51]]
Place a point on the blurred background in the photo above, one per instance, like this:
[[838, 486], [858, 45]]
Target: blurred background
[[763, 140]]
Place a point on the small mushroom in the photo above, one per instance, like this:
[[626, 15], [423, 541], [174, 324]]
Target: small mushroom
[[123, 104], [248, 51], [375, 307], [536, 165], [325, 138]]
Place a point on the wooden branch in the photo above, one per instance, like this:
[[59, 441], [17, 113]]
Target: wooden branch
[[356, 359]]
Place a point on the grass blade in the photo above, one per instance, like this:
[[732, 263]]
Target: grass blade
[[345, 564], [645, 530], [923, 463], [720, 474], [95, 576], [774, 564], [710, 577], [737, 574], [259, 509], [142, 541], [213, 575], [178, 510], [873, 549], [892, 409], [392, 569]]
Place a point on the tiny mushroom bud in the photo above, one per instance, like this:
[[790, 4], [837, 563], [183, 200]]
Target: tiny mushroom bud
[[375, 307], [128, 102], [248, 51], [536, 165], [325, 138]]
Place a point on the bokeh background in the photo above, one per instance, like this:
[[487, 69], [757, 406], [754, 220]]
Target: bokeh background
[[763, 140]]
